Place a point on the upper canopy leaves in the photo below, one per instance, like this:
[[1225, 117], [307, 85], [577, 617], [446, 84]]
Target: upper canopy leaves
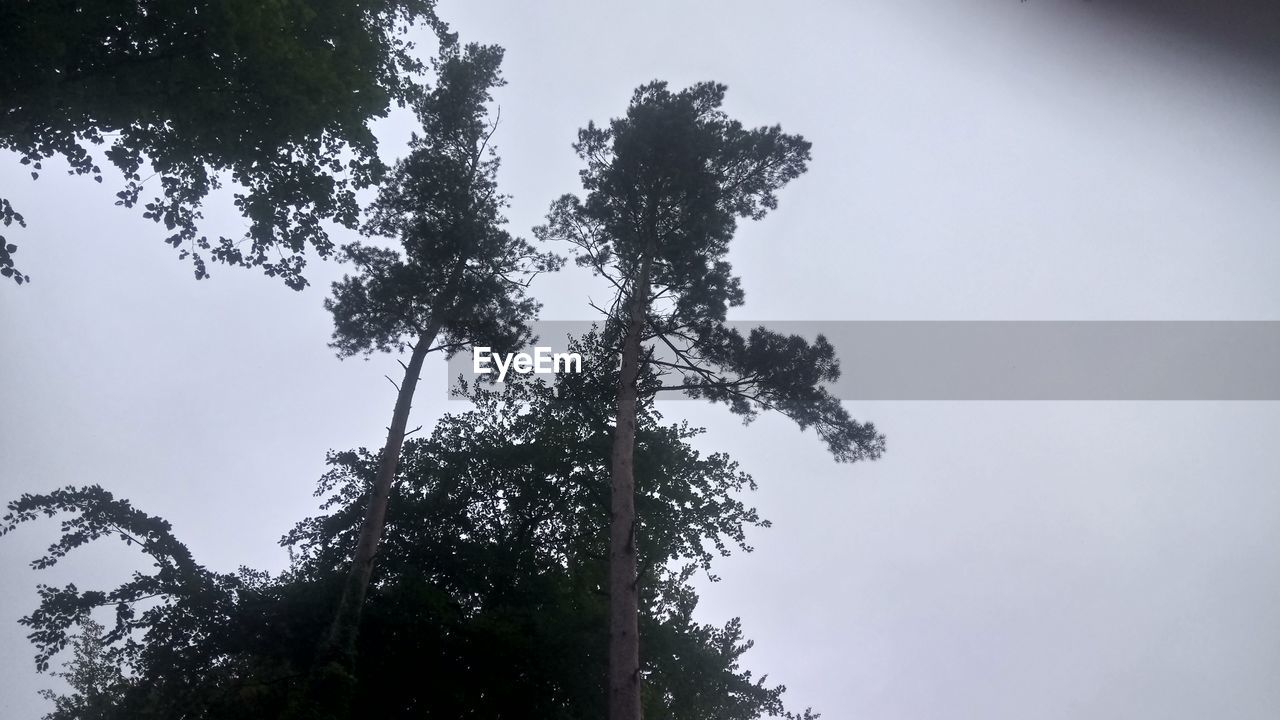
[[192, 599], [458, 268], [669, 180], [279, 95]]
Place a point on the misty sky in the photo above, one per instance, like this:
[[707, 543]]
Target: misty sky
[[984, 159]]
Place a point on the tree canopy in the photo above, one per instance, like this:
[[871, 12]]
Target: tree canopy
[[666, 185], [277, 97], [457, 270], [95, 679], [490, 601]]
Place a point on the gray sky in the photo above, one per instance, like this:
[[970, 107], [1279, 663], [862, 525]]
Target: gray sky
[[983, 159]]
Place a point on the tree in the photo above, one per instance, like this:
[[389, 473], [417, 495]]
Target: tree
[[278, 96], [170, 624], [94, 676], [489, 601], [496, 560], [665, 186], [459, 278]]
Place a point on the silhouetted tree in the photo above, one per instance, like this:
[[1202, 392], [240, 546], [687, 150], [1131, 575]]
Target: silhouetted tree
[[503, 511], [489, 601], [278, 96], [458, 278], [665, 186], [95, 677], [169, 624]]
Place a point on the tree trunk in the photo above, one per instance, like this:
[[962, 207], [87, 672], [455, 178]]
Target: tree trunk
[[341, 643], [624, 640]]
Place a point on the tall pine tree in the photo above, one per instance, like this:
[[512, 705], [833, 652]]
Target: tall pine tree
[[459, 277], [665, 187]]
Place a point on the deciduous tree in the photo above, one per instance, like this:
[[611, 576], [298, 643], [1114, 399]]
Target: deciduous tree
[[95, 678], [278, 97], [490, 600]]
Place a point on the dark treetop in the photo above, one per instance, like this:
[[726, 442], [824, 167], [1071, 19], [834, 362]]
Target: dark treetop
[[457, 266], [668, 183], [178, 96]]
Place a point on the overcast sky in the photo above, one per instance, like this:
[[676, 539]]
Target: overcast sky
[[983, 159]]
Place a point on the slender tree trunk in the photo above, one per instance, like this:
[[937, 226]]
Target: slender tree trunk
[[624, 640], [341, 641]]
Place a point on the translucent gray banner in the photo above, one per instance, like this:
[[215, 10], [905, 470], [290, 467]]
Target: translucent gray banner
[[1024, 360]]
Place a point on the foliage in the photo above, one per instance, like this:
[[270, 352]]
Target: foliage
[[665, 186], [96, 680], [488, 601], [669, 180], [7, 249], [189, 589], [173, 627], [277, 96], [550, 446], [495, 553], [458, 266]]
